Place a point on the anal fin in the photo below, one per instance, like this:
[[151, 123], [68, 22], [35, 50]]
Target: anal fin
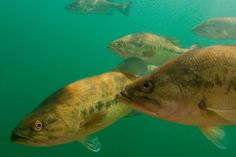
[[216, 135], [92, 144]]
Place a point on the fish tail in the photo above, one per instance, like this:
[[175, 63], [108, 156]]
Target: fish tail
[[194, 47], [124, 8]]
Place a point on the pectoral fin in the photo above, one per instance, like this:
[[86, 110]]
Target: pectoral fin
[[216, 135], [133, 65], [229, 115], [92, 144], [222, 32]]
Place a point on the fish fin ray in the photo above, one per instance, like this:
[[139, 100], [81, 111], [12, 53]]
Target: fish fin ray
[[92, 144], [229, 115], [194, 47], [125, 8], [173, 40], [216, 135]]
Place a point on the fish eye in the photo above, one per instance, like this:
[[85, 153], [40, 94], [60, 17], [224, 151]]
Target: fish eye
[[38, 125], [147, 86]]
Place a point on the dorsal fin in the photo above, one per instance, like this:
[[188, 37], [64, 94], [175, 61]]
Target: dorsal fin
[[173, 40]]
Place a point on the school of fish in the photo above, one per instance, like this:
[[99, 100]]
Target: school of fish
[[78, 110], [190, 86]]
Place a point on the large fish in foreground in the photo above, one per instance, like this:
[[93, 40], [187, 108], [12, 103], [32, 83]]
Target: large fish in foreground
[[78, 110], [221, 28], [105, 7], [151, 48], [197, 88]]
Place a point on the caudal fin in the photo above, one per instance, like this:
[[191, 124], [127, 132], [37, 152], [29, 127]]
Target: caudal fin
[[194, 46], [124, 8]]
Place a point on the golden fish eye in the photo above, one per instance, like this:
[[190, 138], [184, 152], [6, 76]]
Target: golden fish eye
[[38, 125], [147, 86]]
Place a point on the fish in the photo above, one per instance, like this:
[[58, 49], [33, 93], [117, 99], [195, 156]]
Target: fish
[[105, 7], [197, 88], [149, 47], [220, 28], [79, 110]]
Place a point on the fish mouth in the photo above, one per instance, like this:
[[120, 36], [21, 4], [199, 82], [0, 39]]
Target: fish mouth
[[134, 103], [71, 7], [18, 138], [124, 96], [110, 46]]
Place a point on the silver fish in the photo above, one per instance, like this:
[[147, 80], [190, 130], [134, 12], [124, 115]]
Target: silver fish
[[221, 28], [151, 48], [105, 7]]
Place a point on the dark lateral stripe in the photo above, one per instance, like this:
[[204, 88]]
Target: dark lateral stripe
[[91, 110], [83, 112], [99, 105]]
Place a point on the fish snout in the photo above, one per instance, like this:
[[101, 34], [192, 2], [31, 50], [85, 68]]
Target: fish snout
[[71, 7], [16, 136], [195, 29], [110, 45]]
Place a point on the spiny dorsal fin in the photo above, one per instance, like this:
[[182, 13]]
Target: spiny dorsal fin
[[173, 40]]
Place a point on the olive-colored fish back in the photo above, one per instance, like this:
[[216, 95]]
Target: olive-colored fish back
[[210, 56], [203, 58]]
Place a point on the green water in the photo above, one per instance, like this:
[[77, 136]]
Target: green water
[[44, 47]]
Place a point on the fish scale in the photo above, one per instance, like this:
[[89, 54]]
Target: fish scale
[[151, 48], [77, 111], [196, 88]]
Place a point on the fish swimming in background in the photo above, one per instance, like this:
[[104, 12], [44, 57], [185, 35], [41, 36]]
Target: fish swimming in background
[[221, 28], [197, 88], [79, 110], [151, 48], [105, 7]]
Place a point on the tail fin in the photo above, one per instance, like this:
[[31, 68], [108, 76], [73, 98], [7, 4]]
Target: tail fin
[[194, 46], [125, 8]]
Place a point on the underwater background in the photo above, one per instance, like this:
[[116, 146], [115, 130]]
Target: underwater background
[[44, 47]]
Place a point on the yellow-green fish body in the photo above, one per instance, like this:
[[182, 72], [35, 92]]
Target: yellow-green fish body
[[197, 88], [75, 112], [151, 48]]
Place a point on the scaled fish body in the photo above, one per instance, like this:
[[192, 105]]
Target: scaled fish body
[[217, 28], [151, 48], [75, 112], [197, 88], [98, 7]]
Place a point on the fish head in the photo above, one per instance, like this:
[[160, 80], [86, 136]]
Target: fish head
[[45, 126], [73, 7], [153, 95], [126, 47], [211, 29]]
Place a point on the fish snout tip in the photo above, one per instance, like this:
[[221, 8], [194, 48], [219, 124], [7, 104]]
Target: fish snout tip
[[196, 28], [109, 46]]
